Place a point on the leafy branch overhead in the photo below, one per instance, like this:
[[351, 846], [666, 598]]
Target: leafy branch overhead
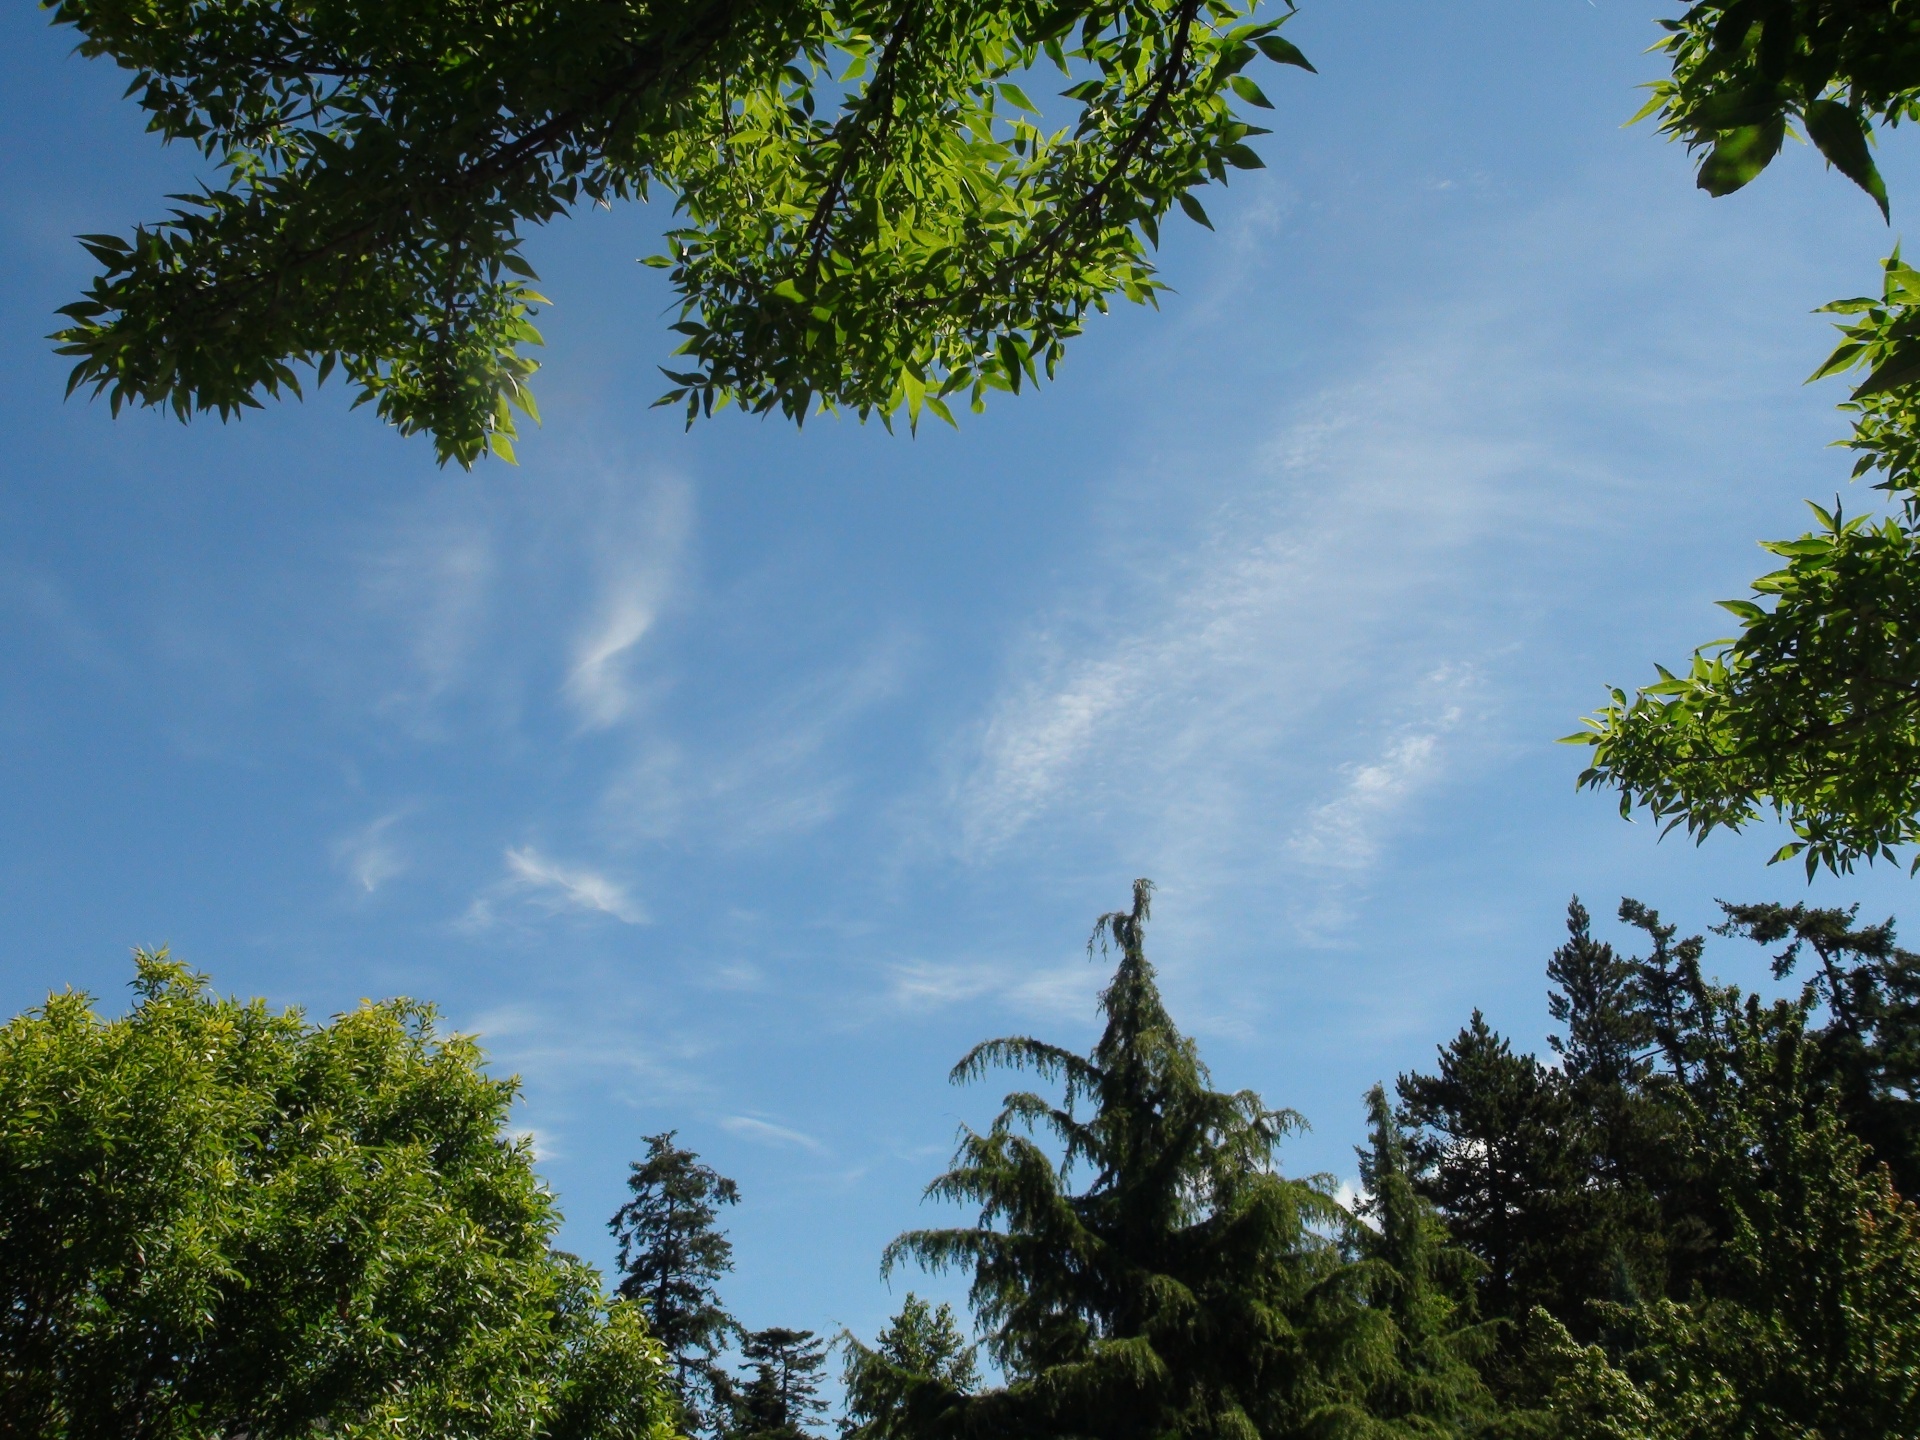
[[1743, 73], [874, 213], [1813, 711]]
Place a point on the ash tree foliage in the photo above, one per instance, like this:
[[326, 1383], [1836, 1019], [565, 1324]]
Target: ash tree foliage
[[873, 210], [1744, 73], [672, 1254], [220, 1220], [1808, 713]]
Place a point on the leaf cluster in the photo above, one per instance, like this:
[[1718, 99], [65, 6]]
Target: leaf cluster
[[875, 215], [1745, 72], [1811, 713]]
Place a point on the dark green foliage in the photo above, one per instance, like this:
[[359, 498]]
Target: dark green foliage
[[1867, 1055], [1811, 1330], [875, 215], [920, 1353], [1497, 1151], [1743, 70], [672, 1255], [784, 1393], [1184, 1289], [217, 1220], [1766, 1277], [1424, 1284]]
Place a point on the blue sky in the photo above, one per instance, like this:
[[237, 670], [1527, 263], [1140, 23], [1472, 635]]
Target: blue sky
[[738, 780]]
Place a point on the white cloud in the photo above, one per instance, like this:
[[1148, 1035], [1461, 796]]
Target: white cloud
[[1347, 832], [1233, 658], [555, 887], [777, 775], [369, 855], [1053, 992], [1282, 649], [434, 577], [637, 560], [749, 1128]]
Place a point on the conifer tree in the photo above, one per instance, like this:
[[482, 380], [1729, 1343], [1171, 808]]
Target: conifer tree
[[1424, 1283], [1869, 1048], [784, 1393], [1186, 1288], [921, 1353], [672, 1255], [1493, 1148]]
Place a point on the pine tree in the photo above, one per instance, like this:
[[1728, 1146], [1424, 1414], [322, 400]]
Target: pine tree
[[1424, 1282], [784, 1393], [1492, 1146], [672, 1255], [920, 1364], [1186, 1289]]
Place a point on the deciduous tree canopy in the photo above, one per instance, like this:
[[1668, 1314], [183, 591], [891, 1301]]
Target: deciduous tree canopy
[[874, 212], [219, 1220]]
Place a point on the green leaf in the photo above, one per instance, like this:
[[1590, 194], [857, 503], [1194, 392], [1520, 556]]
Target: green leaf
[[1018, 97], [1194, 210], [1840, 134], [1250, 92], [1739, 155], [1284, 51]]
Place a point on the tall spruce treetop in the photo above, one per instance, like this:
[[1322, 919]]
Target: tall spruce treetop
[[1183, 1288], [672, 1255], [784, 1392], [1596, 998], [874, 213]]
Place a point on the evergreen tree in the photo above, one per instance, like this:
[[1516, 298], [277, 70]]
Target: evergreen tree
[[784, 1393], [1572, 1183], [1186, 1289], [1424, 1282], [1812, 1330], [672, 1255], [1869, 1048], [919, 1361], [1493, 1147]]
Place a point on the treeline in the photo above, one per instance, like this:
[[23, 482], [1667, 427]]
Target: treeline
[[1688, 1222]]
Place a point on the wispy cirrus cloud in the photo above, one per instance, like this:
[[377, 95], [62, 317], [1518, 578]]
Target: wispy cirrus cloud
[[371, 856], [1346, 584], [922, 987], [1346, 833], [767, 1133], [636, 562], [572, 887], [552, 886]]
